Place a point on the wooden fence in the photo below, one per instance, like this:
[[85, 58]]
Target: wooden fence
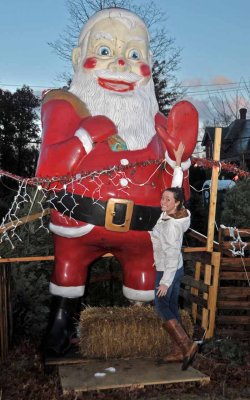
[[233, 315], [212, 276], [200, 291]]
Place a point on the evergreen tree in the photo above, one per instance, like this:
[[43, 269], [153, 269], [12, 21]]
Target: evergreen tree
[[236, 206], [19, 139], [165, 97], [19, 131]]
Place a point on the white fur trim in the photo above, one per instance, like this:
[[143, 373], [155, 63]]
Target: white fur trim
[[84, 137], [138, 295], [71, 292], [177, 177], [184, 165], [170, 162], [72, 232]]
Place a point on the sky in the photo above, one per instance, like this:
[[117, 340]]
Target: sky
[[213, 36]]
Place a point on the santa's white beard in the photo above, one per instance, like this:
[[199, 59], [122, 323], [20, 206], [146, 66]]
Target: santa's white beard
[[133, 112]]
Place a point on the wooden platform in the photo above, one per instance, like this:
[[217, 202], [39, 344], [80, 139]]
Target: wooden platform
[[79, 374], [114, 374]]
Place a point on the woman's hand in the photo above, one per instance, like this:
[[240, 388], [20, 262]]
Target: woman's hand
[[161, 290], [179, 153]]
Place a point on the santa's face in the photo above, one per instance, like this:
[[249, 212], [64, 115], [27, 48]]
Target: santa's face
[[113, 78], [117, 56]]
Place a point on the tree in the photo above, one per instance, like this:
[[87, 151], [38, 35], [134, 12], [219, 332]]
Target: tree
[[165, 54], [236, 205], [19, 131], [223, 107], [19, 139]]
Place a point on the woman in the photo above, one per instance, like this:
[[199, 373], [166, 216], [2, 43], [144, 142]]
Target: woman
[[167, 237]]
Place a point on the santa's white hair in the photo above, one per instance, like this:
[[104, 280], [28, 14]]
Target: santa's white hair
[[127, 17]]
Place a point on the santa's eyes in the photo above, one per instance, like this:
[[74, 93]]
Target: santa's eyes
[[134, 54], [104, 51]]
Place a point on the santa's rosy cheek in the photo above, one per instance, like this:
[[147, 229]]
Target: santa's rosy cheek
[[89, 63], [145, 70]]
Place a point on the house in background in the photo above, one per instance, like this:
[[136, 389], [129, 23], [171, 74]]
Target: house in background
[[235, 141]]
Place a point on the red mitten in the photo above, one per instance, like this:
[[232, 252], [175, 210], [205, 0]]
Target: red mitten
[[182, 126], [99, 128]]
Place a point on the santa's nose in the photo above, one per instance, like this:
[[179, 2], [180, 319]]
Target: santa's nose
[[121, 61], [119, 64]]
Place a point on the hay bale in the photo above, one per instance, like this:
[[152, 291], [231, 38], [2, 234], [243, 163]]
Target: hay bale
[[119, 332]]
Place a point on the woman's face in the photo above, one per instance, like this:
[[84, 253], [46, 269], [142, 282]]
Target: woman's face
[[168, 203]]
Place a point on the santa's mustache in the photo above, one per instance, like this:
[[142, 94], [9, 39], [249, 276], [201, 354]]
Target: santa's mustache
[[118, 76]]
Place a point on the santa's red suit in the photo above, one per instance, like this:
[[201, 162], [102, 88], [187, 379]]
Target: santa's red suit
[[114, 209]]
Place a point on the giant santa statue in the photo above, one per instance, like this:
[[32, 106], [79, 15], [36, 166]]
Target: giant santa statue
[[106, 132]]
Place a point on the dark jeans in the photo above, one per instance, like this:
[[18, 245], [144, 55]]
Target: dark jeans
[[168, 306]]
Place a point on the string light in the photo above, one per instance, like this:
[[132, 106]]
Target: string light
[[49, 186]]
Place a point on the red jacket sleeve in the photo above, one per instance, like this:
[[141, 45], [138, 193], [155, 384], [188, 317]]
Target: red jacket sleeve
[[62, 115], [60, 151]]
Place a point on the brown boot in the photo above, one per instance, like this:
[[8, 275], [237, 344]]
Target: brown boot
[[188, 347], [175, 354]]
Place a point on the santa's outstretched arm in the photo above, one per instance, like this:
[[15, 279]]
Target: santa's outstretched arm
[[181, 126]]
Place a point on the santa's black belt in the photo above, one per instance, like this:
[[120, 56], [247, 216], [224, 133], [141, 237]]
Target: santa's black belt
[[120, 215]]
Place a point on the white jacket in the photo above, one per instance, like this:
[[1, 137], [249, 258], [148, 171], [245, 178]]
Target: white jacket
[[167, 237]]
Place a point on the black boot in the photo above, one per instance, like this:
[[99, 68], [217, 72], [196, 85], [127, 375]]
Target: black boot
[[62, 324]]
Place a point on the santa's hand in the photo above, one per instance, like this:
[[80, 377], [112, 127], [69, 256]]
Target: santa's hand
[[95, 130], [99, 128], [182, 126], [161, 290]]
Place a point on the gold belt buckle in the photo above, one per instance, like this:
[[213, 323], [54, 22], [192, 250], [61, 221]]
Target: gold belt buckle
[[110, 213]]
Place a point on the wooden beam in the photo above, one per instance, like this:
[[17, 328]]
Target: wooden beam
[[36, 258], [193, 249], [214, 190], [233, 305], [242, 231], [233, 276], [202, 238], [207, 280], [194, 291], [233, 319], [194, 283], [26, 259], [234, 292], [234, 262], [213, 294], [191, 298], [23, 220], [237, 246], [4, 312]]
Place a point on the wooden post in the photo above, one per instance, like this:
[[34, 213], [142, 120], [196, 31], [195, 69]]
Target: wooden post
[[214, 189], [4, 311], [205, 311], [197, 276], [213, 294]]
